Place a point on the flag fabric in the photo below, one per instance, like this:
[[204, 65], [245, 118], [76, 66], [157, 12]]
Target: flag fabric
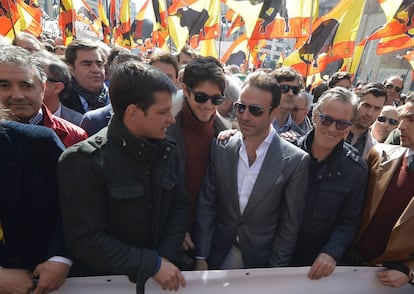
[[67, 18], [87, 24], [208, 48], [285, 19], [400, 18], [106, 30], [237, 53], [236, 23], [395, 43], [113, 20], [356, 58], [332, 39], [123, 29], [30, 18], [143, 26], [9, 17], [160, 31], [192, 21]]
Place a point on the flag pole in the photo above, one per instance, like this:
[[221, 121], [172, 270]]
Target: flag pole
[[309, 38], [10, 16]]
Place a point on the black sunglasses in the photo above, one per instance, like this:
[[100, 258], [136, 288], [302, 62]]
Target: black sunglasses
[[286, 88], [391, 121], [340, 124], [255, 110], [201, 97], [396, 89]]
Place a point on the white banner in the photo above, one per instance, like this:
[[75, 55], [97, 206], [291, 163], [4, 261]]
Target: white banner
[[346, 280]]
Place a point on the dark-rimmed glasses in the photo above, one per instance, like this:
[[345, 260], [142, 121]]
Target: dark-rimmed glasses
[[286, 88], [391, 121], [201, 97], [340, 124], [391, 86], [254, 109]]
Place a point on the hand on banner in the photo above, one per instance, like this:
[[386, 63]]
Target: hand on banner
[[322, 267]]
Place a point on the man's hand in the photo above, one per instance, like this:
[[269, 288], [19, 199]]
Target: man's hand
[[51, 275], [201, 265], [322, 267], [15, 281], [392, 278], [188, 243], [169, 276], [226, 134]]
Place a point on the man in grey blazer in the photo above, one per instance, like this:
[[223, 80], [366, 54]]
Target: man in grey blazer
[[251, 202]]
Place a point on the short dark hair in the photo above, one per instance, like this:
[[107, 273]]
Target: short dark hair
[[204, 69], [265, 82], [164, 57], [376, 89], [81, 44], [133, 82], [187, 50], [339, 76], [287, 74]]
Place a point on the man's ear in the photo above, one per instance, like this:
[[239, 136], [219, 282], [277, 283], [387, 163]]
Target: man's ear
[[58, 87], [71, 69]]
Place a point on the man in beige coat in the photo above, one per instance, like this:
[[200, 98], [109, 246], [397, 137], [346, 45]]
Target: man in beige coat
[[385, 237]]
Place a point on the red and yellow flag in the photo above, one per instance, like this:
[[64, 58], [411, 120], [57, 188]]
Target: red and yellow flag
[[395, 43], [332, 39], [106, 31], [285, 19], [123, 29], [30, 18], [67, 19]]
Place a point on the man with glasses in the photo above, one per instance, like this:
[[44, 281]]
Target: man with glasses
[[197, 123], [290, 83], [299, 113], [372, 98], [394, 86], [386, 122], [252, 199], [337, 180]]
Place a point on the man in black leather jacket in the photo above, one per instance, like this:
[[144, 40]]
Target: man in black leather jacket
[[122, 192], [337, 182]]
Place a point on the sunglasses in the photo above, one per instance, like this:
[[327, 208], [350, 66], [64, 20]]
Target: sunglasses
[[286, 88], [396, 89], [255, 110], [296, 109], [391, 121], [201, 97], [340, 124]]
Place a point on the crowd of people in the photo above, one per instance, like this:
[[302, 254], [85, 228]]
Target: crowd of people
[[146, 166]]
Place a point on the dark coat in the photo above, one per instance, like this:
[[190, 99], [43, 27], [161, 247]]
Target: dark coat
[[123, 202], [29, 209], [334, 203]]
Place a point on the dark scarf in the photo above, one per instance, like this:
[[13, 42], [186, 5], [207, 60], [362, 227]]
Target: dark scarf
[[94, 100]]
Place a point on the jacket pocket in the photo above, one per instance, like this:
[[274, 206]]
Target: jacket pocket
[[127, 192], [329, 201]]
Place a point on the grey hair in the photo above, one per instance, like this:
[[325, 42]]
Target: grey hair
[[309, 99], [14, 55], [336, 94], [232, 88]]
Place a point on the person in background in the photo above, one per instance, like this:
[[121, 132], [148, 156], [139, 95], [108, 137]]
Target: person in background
[[371, 100], [337, 181], [251, 202], [57, 84], [27, 41], [394, 86], [290, 83], [385, 235], [386, 122], [122, 194], [165, 62], [299, 113], [185, 55], [340, 79], [231, 94], [33, 256], [86, 62]]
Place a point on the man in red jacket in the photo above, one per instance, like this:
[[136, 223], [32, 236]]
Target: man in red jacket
[[22, 87]]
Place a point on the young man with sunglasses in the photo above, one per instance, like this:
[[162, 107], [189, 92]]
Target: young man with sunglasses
[[394, 86], [337, 180], [252, 199], [290, 83], [372, 98], [197, 123]]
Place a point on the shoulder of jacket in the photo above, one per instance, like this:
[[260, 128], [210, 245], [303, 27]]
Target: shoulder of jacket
[[93, 144]]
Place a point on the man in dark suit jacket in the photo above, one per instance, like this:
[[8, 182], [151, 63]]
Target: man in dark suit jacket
[[251, 202], [31, 239]]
